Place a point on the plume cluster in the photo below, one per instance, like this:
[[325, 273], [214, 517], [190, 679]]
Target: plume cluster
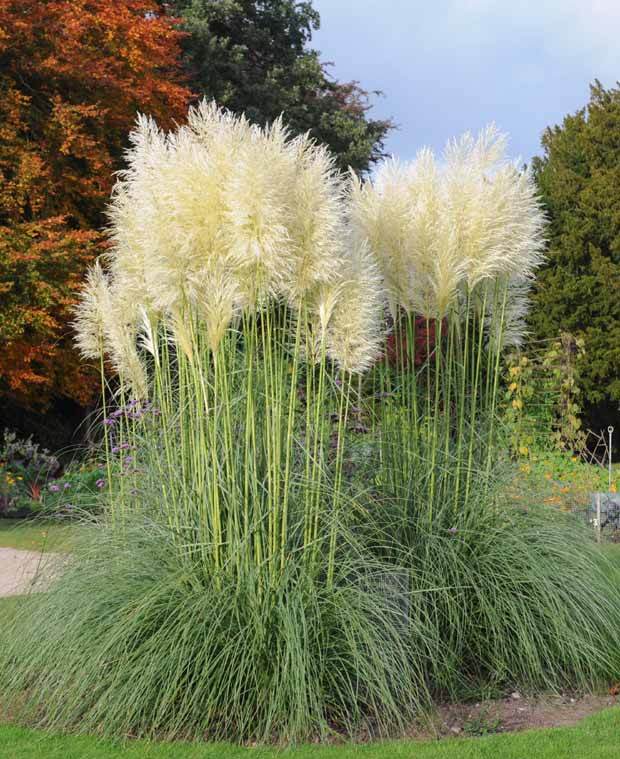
[[222, 217], [217, 218], [440, 228]]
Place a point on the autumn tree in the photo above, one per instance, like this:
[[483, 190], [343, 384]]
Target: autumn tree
[[254, 57], [73, 74], [578, 290]]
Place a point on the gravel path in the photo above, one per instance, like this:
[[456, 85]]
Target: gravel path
[[22, 571]]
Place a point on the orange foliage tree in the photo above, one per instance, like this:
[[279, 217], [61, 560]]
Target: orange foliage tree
[[73, 74]]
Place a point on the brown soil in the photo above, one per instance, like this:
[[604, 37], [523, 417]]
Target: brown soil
[[516, 712]]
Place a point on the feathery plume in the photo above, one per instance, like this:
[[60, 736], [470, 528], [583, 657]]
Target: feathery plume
[[508, 305], [256, 195], [148, 333], [380, 213], [120, 328], [215, 297], [495, 208], [133, 212], [316, 222], [403, 216], [354, 332], [220, 216], [437, 228], [90, 313], [179, 334]]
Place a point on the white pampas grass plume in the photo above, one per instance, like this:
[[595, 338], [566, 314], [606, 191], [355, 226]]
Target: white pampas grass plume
[[222, 193], [168, 211], [215, 297], [494, 207], [354, 332], [256, 195], [106, 323], [315, 316], [120, 325], [380, 213], [403, 217], [148, 337], [316, 221], [180, 333], [133, 212], [437, 264], [90, 314], [220, 217], [189, 219], [508, 304], [437, 227]]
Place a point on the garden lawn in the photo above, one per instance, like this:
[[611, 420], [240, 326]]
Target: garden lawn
[[36, 535], [594, 738]]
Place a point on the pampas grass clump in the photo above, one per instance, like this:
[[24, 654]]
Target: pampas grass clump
[[458, 242], [241, 584], [235, 308], [139, 639]]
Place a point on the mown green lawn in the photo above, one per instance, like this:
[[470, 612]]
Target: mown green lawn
[[597, 737], [36, 535]]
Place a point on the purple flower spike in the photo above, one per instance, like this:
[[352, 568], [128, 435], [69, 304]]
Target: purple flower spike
[[117, 413], [109, 422], [124, 446], [67, 485], [100, 484], [54, 488], [128, 459], [115, 449], [452, 530]]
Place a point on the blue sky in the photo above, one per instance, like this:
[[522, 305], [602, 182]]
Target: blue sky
[[448, 66]]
